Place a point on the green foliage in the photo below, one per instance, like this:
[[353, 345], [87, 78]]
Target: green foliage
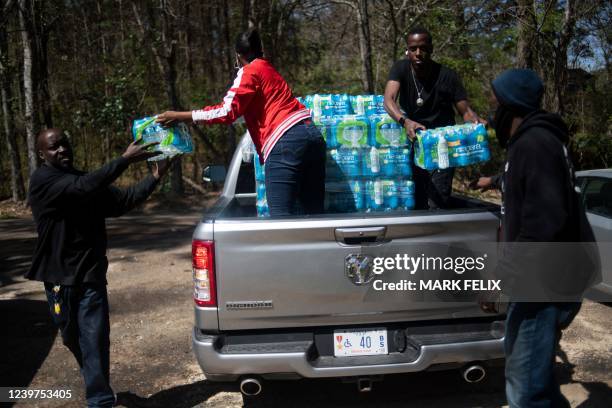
[[103, 72], [592, 150]]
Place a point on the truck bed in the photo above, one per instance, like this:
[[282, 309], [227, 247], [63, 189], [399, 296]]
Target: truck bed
[[287, 287]]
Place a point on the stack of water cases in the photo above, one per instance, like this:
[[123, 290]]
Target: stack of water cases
[[451, 146], [368, 166]]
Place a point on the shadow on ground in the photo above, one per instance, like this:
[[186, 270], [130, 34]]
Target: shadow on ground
[[439, 389], [26, 338], [394, 390], [17, 241], [140, 233], [183, 396], [133, 234], [442, 389], [600, 393]]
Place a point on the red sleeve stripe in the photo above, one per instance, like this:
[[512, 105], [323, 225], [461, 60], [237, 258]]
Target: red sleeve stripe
[[280, 130], [203, 115]]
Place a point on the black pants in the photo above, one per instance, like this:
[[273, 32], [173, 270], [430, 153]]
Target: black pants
[[84, 324], [432, 189]]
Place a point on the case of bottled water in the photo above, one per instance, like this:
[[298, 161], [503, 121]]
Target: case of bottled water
[[350, 130], [406, 194], [368, 105], [344, 196], [392, 143], [401, 162], [390, 190], [452, 146], [172, 141], [350, 134], [324, 126], [374, 195], [328, 105], [371, 162], [385, 131]]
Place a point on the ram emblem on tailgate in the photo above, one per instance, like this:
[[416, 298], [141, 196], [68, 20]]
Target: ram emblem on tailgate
[[358, 268]]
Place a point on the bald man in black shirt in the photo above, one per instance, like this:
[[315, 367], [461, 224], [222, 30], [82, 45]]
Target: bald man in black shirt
[[70, 208], [428, 94]]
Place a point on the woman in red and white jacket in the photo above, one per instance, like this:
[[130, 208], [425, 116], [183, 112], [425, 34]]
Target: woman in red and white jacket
[[286, 140]]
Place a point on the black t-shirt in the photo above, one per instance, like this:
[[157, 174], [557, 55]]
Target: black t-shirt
[[441, 91]]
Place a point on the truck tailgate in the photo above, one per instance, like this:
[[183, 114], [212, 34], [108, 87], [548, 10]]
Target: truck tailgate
[[280, 274]]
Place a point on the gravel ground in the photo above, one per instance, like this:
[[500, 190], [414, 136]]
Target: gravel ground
[[152, 364]]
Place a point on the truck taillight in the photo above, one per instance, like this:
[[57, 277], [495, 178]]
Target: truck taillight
[[203, 261]]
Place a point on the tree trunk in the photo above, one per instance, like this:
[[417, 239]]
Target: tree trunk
[[246, 12], [395, 29], [462, 48], [43, 72], [188, 41], [28, 85], [554, 67], [526, 26], [253, 15], [231, 131], [560, 73], [365, 46], [207, 12], [41, 30], [168, 54], [103, 50], [17, 189], [122, 30], [169, 72]]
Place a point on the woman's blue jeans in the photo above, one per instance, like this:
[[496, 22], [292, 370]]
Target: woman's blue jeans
[[295, 172], [533, 331]]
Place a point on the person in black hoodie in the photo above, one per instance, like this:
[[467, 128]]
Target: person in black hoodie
[[70, 208], [537, 194]]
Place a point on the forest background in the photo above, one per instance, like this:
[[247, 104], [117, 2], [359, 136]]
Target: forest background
[[93, 66]]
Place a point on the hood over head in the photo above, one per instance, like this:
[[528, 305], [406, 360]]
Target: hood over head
[[542, 119]]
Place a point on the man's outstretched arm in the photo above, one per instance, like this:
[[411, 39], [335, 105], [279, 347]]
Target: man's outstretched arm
[[82, 186], [118, 201]]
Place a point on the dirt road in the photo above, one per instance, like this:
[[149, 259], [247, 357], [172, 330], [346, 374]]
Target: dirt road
[[152, 364]]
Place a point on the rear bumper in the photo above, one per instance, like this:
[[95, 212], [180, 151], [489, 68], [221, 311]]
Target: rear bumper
[[295, 356]]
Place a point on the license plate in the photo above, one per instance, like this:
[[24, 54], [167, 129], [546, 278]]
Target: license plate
[[360, 342]]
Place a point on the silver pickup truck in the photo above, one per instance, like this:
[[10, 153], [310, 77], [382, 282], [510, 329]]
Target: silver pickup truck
[[274, 297]]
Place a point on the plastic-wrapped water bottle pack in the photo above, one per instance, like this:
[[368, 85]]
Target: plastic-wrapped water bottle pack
[[172, 141], [451, 146]]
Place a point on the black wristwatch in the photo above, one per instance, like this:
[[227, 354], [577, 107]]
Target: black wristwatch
[[401, 121]]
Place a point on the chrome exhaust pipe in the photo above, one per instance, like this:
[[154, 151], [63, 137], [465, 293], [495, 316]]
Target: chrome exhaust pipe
[[474, 373], [250, 386]]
